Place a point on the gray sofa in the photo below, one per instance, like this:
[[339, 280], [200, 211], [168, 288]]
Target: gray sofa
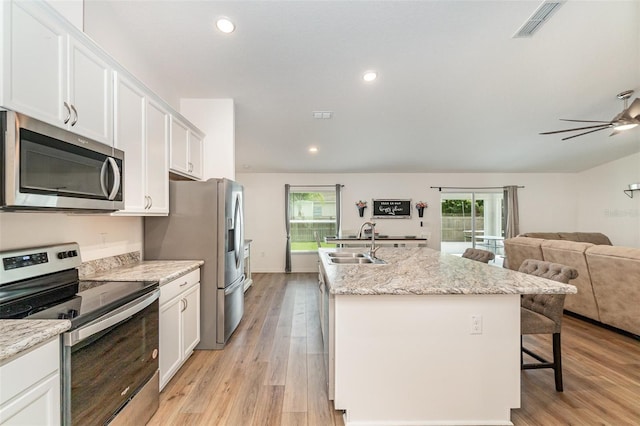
[[608, 279]]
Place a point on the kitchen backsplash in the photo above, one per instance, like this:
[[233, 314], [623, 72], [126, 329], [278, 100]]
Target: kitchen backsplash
[[104, 264]]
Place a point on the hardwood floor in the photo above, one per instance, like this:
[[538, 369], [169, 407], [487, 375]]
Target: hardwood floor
[[272, 372]]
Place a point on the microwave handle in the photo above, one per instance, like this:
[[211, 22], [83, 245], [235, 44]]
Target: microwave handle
[[116, 181], [116, 178]]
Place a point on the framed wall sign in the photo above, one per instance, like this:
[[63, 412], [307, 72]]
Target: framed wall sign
[[391, 209]]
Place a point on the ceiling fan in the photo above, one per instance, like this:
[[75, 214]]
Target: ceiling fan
[[627, 119]]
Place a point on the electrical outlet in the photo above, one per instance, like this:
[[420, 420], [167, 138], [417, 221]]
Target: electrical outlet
[[476, 324]]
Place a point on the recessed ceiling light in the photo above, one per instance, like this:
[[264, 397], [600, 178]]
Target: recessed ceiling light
[[225, 25], [313, 149], [370, 76]]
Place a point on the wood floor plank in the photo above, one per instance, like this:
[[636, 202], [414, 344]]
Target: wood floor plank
[[295, 390], [268, 410], [275, 357]]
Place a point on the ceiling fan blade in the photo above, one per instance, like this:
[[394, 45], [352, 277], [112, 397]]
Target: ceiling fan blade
[[599, 126], [584, 121], [634, 109], [585, 133]]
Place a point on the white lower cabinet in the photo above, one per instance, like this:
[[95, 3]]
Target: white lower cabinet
[[179, 323], [30, 390]]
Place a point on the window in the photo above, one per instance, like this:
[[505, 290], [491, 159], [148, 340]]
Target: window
[[311, 213], [472, 219], [312, 216]]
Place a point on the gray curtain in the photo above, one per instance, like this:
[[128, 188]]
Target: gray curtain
[[287, 265], [512, 228]]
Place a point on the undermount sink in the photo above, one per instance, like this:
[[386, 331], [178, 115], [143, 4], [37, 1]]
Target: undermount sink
[[351, 260], [346, 255], [345, 258]]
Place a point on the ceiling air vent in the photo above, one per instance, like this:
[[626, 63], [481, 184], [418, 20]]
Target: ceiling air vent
[[536, 20]]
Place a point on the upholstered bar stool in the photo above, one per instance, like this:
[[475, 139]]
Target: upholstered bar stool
[[483, 256], [542, 314]]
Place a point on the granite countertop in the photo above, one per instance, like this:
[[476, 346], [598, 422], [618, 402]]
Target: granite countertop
[[421, 270], [163, 271], [19, 335]]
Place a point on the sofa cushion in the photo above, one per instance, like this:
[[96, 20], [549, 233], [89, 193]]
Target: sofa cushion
[[520, 248], [572, 254], [586, 237], [543, 235], [582, 237], [615, 276]]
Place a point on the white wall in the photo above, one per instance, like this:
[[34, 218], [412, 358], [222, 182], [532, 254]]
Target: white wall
[[72, 10], [548, 202], [216, 118], [99, 25], [98, 236], [603, 206]]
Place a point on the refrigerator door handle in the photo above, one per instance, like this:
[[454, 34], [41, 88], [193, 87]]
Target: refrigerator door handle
[[235, 285], [238, 244]]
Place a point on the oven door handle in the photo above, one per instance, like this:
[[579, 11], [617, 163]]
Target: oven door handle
[[71, 338]]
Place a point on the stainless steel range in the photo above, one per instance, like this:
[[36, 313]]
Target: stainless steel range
[[109, 359]]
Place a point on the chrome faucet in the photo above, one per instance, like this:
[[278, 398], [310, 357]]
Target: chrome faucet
[[372, 248]]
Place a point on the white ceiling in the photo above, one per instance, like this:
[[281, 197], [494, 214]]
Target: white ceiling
[[455, 92]]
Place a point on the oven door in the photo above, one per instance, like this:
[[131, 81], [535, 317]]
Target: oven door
[[51, 168], [106, 362]]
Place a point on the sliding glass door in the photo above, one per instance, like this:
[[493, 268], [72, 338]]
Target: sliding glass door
[[471, 219]]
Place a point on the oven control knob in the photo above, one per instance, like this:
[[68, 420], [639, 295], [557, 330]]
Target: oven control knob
[[62, 255], [72, 313], [63, 315]]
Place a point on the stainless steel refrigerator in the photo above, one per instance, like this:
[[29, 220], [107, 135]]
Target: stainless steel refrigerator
[[205, 222]]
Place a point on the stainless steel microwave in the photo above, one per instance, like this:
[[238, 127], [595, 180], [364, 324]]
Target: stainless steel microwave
[[50, 169]]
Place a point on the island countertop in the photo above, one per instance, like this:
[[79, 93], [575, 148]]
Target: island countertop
[[423, 271]]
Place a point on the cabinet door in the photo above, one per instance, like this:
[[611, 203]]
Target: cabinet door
[[39, 405], [195, 155], [179, 146], [129, 137], [157, 154], [34, 63], [90, 93], [191, 320], [170, 347]]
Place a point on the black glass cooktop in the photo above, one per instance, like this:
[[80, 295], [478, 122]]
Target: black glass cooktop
[[87, 305]]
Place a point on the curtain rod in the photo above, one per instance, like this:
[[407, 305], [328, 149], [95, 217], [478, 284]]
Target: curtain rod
[[439, 188], [315, 186]]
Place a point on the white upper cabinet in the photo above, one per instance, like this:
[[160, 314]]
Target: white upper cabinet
[[53, 76], [186, 149], [141, 131], [195, 154], [157, 155], [90, 93]]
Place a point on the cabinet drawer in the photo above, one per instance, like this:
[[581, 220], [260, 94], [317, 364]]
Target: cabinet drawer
[[28, 369], [171, 289]]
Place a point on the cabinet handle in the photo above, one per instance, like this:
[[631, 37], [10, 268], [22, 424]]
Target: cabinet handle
[[150, 201], [184, 304], [190, 167], [184, 283], [75, 120], [66, 120]]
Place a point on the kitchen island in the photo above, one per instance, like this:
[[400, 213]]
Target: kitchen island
[[425, 339]]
